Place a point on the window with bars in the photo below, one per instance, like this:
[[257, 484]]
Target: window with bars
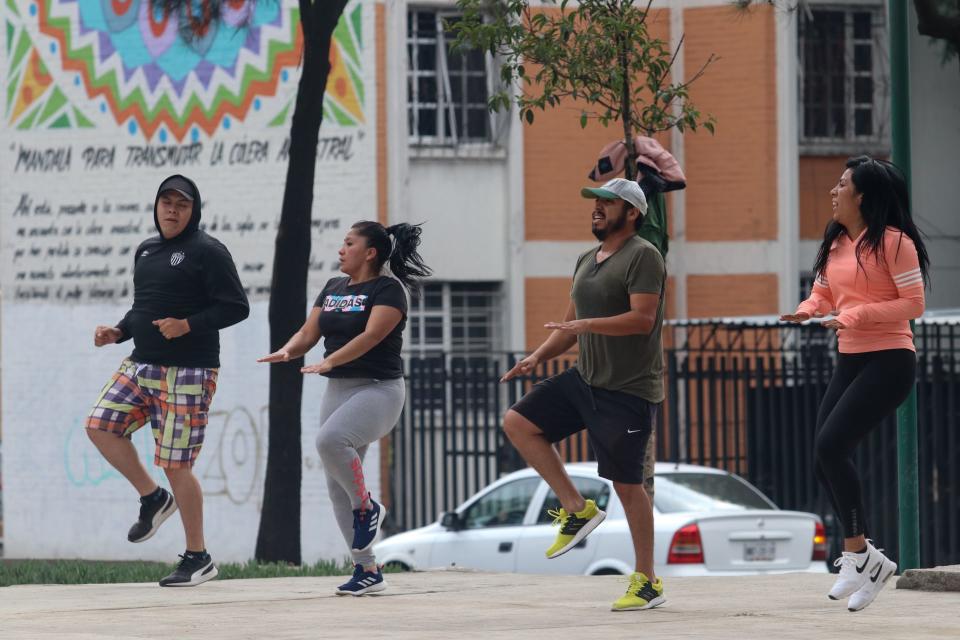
[[462, 317], [454, 329], [843, 82], [447, 90]]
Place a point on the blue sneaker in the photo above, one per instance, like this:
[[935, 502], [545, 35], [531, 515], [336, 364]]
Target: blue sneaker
[[362, 582], [366, 526]]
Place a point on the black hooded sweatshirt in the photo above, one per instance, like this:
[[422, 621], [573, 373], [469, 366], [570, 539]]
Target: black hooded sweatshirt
[[191, 276]]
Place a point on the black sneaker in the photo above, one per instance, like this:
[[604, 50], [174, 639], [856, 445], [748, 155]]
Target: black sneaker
[[366, 526], [193, 569], [153, 512]]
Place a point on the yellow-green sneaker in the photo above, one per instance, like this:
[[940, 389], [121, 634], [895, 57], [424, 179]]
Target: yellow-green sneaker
[[641, 594], [574, 527]]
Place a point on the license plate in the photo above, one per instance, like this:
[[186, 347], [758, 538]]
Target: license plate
[[760, 551]]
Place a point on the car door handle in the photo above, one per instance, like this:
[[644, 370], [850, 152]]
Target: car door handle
[[506, 547]]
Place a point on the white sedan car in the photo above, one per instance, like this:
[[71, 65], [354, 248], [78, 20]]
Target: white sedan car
[[706, 522]]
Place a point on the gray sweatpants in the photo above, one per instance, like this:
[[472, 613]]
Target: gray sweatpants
[[354, 413]]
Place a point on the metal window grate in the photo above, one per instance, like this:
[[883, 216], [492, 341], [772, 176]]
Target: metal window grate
[[447, 90], [843, 82], [463, 317]]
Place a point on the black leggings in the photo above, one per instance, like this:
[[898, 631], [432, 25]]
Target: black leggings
[[865, 389]]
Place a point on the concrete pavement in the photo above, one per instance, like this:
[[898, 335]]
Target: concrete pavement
[[458, 604]]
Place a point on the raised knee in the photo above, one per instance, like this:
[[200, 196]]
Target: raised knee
[[825, 449], [513, 424], [328, 442], [98, 435]]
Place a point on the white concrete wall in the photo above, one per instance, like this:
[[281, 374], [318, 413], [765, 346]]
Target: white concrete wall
[[935, 141], [463, 202], [66, 268]]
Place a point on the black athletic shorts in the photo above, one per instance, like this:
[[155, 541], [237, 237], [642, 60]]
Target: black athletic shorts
[[618, 423]]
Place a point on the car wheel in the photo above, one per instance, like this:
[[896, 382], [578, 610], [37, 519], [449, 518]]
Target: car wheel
[[396, 567], [606, 572]]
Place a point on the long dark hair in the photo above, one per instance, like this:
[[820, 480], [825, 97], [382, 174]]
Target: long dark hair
[[396, 244], [885, 203]]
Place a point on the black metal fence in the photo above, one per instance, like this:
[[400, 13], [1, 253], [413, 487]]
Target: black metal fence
[[740, 396]]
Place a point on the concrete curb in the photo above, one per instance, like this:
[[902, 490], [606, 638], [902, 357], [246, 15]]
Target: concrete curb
[[935, 579]]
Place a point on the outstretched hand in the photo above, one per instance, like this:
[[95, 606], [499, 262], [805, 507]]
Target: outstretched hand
[[795, 317], [281, 355], [321, 368], [523, 368], [575, 327]]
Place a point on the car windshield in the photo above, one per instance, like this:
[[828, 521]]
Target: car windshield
[[676, 492]]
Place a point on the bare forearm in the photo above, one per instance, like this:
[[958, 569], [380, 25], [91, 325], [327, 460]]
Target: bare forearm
[[626, 324], [352, 350], [299, 344], [557, 344]]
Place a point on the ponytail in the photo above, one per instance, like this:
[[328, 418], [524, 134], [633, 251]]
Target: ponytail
[[405, 261], [396, 248]]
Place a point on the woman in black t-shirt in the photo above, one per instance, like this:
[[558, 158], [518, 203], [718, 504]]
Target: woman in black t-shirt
[[361, 319]]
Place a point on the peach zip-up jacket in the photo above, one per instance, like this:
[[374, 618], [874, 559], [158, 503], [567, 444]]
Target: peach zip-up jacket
[[875, 299]]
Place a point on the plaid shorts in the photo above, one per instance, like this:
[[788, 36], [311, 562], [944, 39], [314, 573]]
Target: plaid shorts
[[174, 399]]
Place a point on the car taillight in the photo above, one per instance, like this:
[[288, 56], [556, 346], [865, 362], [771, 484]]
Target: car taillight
[[819, 542], [686, 548]]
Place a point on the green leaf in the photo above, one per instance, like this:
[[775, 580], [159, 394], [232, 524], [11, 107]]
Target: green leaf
[[583, 120], [529, 116], [709, 127]]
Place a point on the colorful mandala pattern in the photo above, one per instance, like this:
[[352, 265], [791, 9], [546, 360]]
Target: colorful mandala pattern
[[130, 66]]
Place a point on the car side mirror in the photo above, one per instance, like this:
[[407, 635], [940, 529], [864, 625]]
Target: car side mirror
[[451, 520]]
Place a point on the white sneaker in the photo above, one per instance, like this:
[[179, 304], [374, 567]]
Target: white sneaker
[[854, 571], [879, 573]]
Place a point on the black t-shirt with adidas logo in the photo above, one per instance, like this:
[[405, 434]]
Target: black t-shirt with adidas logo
[[344, 311]]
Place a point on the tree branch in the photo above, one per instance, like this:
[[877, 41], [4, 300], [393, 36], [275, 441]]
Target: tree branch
[[931, 21]]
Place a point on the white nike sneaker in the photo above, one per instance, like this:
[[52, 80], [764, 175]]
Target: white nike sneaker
[[854, 571], [880, 572]]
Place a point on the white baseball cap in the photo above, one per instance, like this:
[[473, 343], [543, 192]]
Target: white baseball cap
[[619, 188]]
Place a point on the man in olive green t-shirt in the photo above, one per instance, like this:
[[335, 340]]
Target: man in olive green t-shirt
[[615, 314]]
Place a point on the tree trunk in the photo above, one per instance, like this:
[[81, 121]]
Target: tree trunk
[[278, 539], [626, 112]]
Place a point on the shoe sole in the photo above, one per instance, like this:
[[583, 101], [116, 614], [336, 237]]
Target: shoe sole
[[374, 588], [158, 519], [656, 602], [592, 524], [883, 583], [204, 576], [844, 596], [383, 514]]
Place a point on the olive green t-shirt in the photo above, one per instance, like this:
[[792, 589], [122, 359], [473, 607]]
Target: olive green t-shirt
[[632, 364]]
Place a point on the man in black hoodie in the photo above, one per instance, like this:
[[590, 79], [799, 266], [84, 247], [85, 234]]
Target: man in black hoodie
[[185, 289]]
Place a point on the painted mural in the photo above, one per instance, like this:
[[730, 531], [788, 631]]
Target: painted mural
[[128, 63], [99, 101]]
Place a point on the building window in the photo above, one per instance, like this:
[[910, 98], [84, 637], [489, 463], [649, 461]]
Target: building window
[[455, 328], [843, 79], [459, 317], [447, 90]]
